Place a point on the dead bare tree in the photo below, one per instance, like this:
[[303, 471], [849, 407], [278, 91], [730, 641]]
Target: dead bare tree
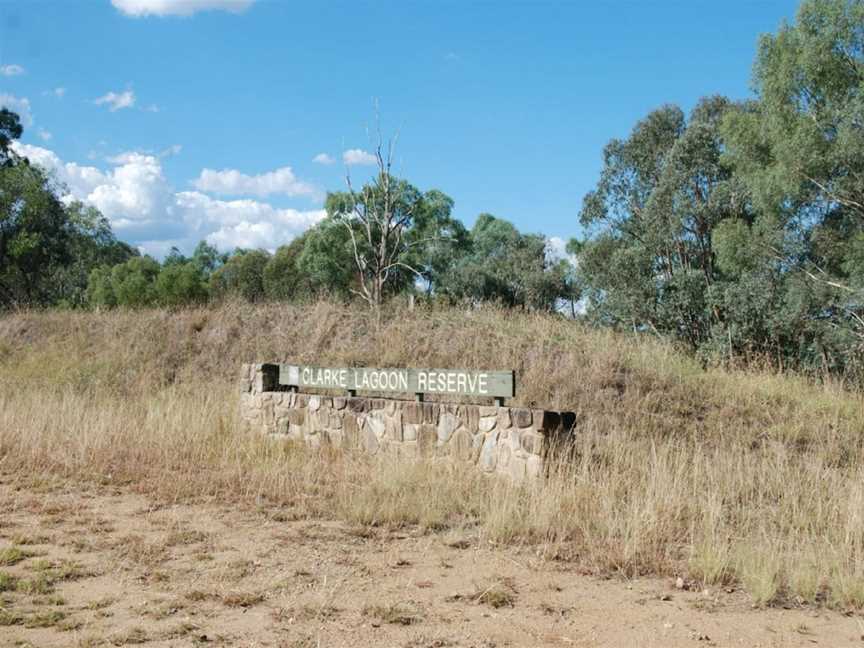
[[378, 218]]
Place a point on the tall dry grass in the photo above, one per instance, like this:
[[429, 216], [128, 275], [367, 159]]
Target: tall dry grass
[[723, 477]]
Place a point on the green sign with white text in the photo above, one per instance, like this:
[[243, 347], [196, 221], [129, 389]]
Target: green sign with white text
[[451, 382]]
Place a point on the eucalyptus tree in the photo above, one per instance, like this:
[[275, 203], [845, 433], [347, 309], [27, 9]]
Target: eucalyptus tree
[[648, 262], [505, 266], [799, 150]]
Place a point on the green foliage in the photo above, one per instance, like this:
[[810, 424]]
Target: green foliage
[[739, 231], [326, 260], [179, 284], [47, 248], [131, 284], [36, 235], [500, 264], [283, 279], [242, 275]]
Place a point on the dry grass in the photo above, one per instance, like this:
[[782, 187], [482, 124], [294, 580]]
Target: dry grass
[[726, 477]]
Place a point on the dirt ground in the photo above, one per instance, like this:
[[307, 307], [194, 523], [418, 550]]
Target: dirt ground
[[93, 567]]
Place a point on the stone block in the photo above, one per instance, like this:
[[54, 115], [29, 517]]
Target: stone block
[[314, 403], [358, 405], [521, 417], [489, 452], [504, 455], [376, 425], [431, 412], [296, 432], [350, 430], [296, 416], [409, 431], [460, 445], [370, 438], [531, 442], [473, 413], [317, 421], [417, 413], [247, 378], [447, 424], [547, 421], [427, 434], [339, 402], [517, 469], [533, 467], [487, 423], [267, 411], [486, 410], [377, 403], [266, 378], [393, 427], [504, 421], [335, 421], [248, 405], [412, 413]]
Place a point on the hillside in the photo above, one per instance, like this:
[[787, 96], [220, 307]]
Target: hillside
[[726, 478]]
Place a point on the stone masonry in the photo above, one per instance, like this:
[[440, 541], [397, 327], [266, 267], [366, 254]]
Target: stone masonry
[[505, 440]]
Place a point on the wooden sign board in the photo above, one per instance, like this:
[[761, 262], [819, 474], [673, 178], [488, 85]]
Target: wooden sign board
[[450, 382]]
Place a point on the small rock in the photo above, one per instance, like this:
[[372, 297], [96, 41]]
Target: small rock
[[679, 583]]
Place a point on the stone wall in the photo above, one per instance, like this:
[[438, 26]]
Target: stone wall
[[506, 440]]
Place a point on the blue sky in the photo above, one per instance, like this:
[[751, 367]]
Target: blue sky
[[191, 119]]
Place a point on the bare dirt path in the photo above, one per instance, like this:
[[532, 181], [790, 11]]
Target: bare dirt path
[[93, 567]]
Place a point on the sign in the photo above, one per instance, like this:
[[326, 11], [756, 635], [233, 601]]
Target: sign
[[451, 382]]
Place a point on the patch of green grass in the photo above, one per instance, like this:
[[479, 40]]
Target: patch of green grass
[[13, 555], [70, 625], [7, 582], [497, 596], [242, 599], [396, 614], [38, 585], [101, 603], [9, 618], [44, 619]]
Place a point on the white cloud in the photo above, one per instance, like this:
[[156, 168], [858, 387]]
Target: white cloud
[[55, 92], [144, 208], [323, 158], [117, 101], [133, 193], [235, 183], [358, 157], [139, 8], [44, 135], [19, 105], [244, 223], [11, 70], [174, 149]]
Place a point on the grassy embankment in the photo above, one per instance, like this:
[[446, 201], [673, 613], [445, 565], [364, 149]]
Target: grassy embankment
[[722, 477]]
